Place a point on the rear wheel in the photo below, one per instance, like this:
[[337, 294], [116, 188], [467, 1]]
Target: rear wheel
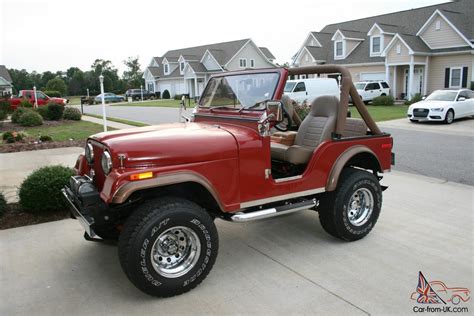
[[351, 211], [168, 246]]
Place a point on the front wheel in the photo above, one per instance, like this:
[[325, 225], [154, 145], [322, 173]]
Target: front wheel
[[351, 211], [449, 117], [168, 246]]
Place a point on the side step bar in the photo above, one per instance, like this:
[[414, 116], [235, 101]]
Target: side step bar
[[272, 212]]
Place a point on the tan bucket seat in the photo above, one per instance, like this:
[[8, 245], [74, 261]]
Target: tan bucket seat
[[315, 128]]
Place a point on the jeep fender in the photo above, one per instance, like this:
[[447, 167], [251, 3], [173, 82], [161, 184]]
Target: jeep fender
[[342, 161]]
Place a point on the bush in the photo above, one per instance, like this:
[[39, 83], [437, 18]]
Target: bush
[[472, 85], [25, 104], [178, 96], [43, 111], [416, 98], [53, 93], [55, 111], [30, 118], [72, 114], [383, 100], [3, 204], [165, 95], [41, 190], [11, 137], [5, 106], [7, 135], [18, 113], [3, 115], [45, 138]]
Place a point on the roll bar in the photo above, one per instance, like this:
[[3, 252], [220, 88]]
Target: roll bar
[[347, 88]]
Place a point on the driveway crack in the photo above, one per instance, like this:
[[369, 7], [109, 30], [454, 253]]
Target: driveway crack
[[309, 280]]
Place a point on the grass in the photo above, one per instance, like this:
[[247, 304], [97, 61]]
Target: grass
[[113, 119], [74, 100], [383, 113], [76, 130]]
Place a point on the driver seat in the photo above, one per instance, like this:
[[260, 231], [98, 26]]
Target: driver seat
[[317, 127]]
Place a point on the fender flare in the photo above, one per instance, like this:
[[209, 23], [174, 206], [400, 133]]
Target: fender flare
[[342, 160]]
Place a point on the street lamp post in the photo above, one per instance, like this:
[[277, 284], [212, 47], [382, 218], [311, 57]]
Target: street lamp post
[[141, 91], [87, 94], [36, 97], [101, 78]]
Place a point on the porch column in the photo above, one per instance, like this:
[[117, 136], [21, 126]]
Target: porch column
[[425, 76], [411, 74], [394, 85], [387, 73], [195, 87]]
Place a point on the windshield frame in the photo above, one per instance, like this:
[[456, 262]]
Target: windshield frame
[[229, 74]]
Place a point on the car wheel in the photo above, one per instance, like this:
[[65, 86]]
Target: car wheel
[[449, 117], [351, 211], [168, 246], [413, 121], [383, 95], [455, 299]]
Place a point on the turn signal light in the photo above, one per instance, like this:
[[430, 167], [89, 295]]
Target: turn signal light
[[141, 176]]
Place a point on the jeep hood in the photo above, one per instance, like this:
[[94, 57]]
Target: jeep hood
[[169, 144]]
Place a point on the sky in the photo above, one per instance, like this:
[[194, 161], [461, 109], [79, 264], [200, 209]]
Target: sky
[[57, 34]]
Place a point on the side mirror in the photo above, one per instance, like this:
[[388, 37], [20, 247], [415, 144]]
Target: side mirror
[[274, 111], [423, 97], [461, 99]]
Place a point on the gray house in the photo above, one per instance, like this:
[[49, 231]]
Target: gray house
[[6, 83], [187, 70], [416, 51]]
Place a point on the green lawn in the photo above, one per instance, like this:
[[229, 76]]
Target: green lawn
[[383, 113], [156, 103], [113, 119], [76, 130], [74, 100]]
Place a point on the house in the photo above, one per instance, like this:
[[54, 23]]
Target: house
[[416, 51], [6, 84], [187, 70]]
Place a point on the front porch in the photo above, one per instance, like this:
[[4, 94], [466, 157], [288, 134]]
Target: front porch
[[194, 85], [407, 79]]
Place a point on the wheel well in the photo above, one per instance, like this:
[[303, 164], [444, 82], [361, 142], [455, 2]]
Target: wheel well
[[364, 160]]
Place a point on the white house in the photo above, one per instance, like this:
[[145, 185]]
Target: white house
[[187, 70], [6, 84]]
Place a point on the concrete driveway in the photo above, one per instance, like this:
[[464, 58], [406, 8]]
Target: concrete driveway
[[286, 265]]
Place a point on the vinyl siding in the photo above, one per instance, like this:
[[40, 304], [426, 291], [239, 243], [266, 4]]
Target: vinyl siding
[[250, 52], [446, 36], [393, 57], [437, 67], [419, 59], [210, 63], [174, 86], [302, 59], [356, 71]]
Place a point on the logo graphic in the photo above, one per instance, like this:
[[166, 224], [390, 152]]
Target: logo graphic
[[436, 292]]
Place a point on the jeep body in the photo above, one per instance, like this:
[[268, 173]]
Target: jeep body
[[154, 181]]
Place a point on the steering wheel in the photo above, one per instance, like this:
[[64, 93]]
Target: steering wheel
[[285, 123]]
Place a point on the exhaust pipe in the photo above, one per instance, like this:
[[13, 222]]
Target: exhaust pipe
[[272, 212]]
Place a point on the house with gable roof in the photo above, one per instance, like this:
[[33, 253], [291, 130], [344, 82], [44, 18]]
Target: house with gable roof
[[187, 70], [415, 51], [6, 83]]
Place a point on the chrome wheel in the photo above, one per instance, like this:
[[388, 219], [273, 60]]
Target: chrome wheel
[[449, 117], [175, 252], [360, 207]]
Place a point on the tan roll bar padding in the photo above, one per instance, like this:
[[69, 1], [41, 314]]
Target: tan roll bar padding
[[347, 88]]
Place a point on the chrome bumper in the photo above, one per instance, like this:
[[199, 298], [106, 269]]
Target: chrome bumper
[[85, 221]]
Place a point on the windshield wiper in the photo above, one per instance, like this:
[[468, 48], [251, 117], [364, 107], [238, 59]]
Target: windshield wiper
[[252, 106]]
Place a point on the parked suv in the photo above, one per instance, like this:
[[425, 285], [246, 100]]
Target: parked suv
[[136, 94], [158, 189], [368, 90]]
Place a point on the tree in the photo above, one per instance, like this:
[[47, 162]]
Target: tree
[[111, 78], [75, 81], [45, 78], [56, 84], [21, 79], [133, 75]]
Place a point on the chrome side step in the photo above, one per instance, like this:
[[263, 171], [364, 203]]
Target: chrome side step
[[272, 212]]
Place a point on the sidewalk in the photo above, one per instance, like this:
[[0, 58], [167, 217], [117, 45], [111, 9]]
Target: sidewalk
[[115, 125]]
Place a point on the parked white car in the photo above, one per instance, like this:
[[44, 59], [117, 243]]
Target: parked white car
[[368, 90], [309, 89], [443, 105]]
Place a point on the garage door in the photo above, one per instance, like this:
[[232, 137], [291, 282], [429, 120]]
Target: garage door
[[367, 76]]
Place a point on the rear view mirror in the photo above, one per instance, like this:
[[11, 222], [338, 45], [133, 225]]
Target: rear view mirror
[[274, 111]]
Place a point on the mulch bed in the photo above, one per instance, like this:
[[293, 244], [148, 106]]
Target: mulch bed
[[16, 217]]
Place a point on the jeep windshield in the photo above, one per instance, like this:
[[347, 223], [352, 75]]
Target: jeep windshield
[[240, 91]]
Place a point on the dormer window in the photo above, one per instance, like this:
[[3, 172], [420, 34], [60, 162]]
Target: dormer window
[[181, 67], [166, 69], [339, 49], [376, 44]]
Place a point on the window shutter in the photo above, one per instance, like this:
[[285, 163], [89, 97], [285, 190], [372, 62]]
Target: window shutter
[[446, 77], [464, 77]]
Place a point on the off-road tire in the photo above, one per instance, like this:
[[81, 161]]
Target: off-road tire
[[334, 206], [142, 229]]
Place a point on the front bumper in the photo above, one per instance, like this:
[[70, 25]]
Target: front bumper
[[423, 115], [85, 220]]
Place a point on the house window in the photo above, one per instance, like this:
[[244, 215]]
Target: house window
[[181, 66], [166, 69], [376, 45], [252, 63], [438, 25], [455, 77], [150, 87], [339, 49], [399, 49], [243, 62]]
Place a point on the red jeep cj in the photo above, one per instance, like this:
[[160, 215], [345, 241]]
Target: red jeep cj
[[158, 189]]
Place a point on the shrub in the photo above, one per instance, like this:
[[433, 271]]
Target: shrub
[[41, 190], [416, 98], [72, 114], [53, 93], [383, 100], [30, 118], [165, 95], [7, 135], [18, 113], [55, 111], [25, 104], [45, 138], [472, 85], [3, 115], [3, 204], [43, 111], [5, 106], [178, 96]]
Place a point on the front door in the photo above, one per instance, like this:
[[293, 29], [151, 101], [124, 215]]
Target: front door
[[417, 81]]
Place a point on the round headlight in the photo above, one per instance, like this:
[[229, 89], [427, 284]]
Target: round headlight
[[106, 162], [89, 153]]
